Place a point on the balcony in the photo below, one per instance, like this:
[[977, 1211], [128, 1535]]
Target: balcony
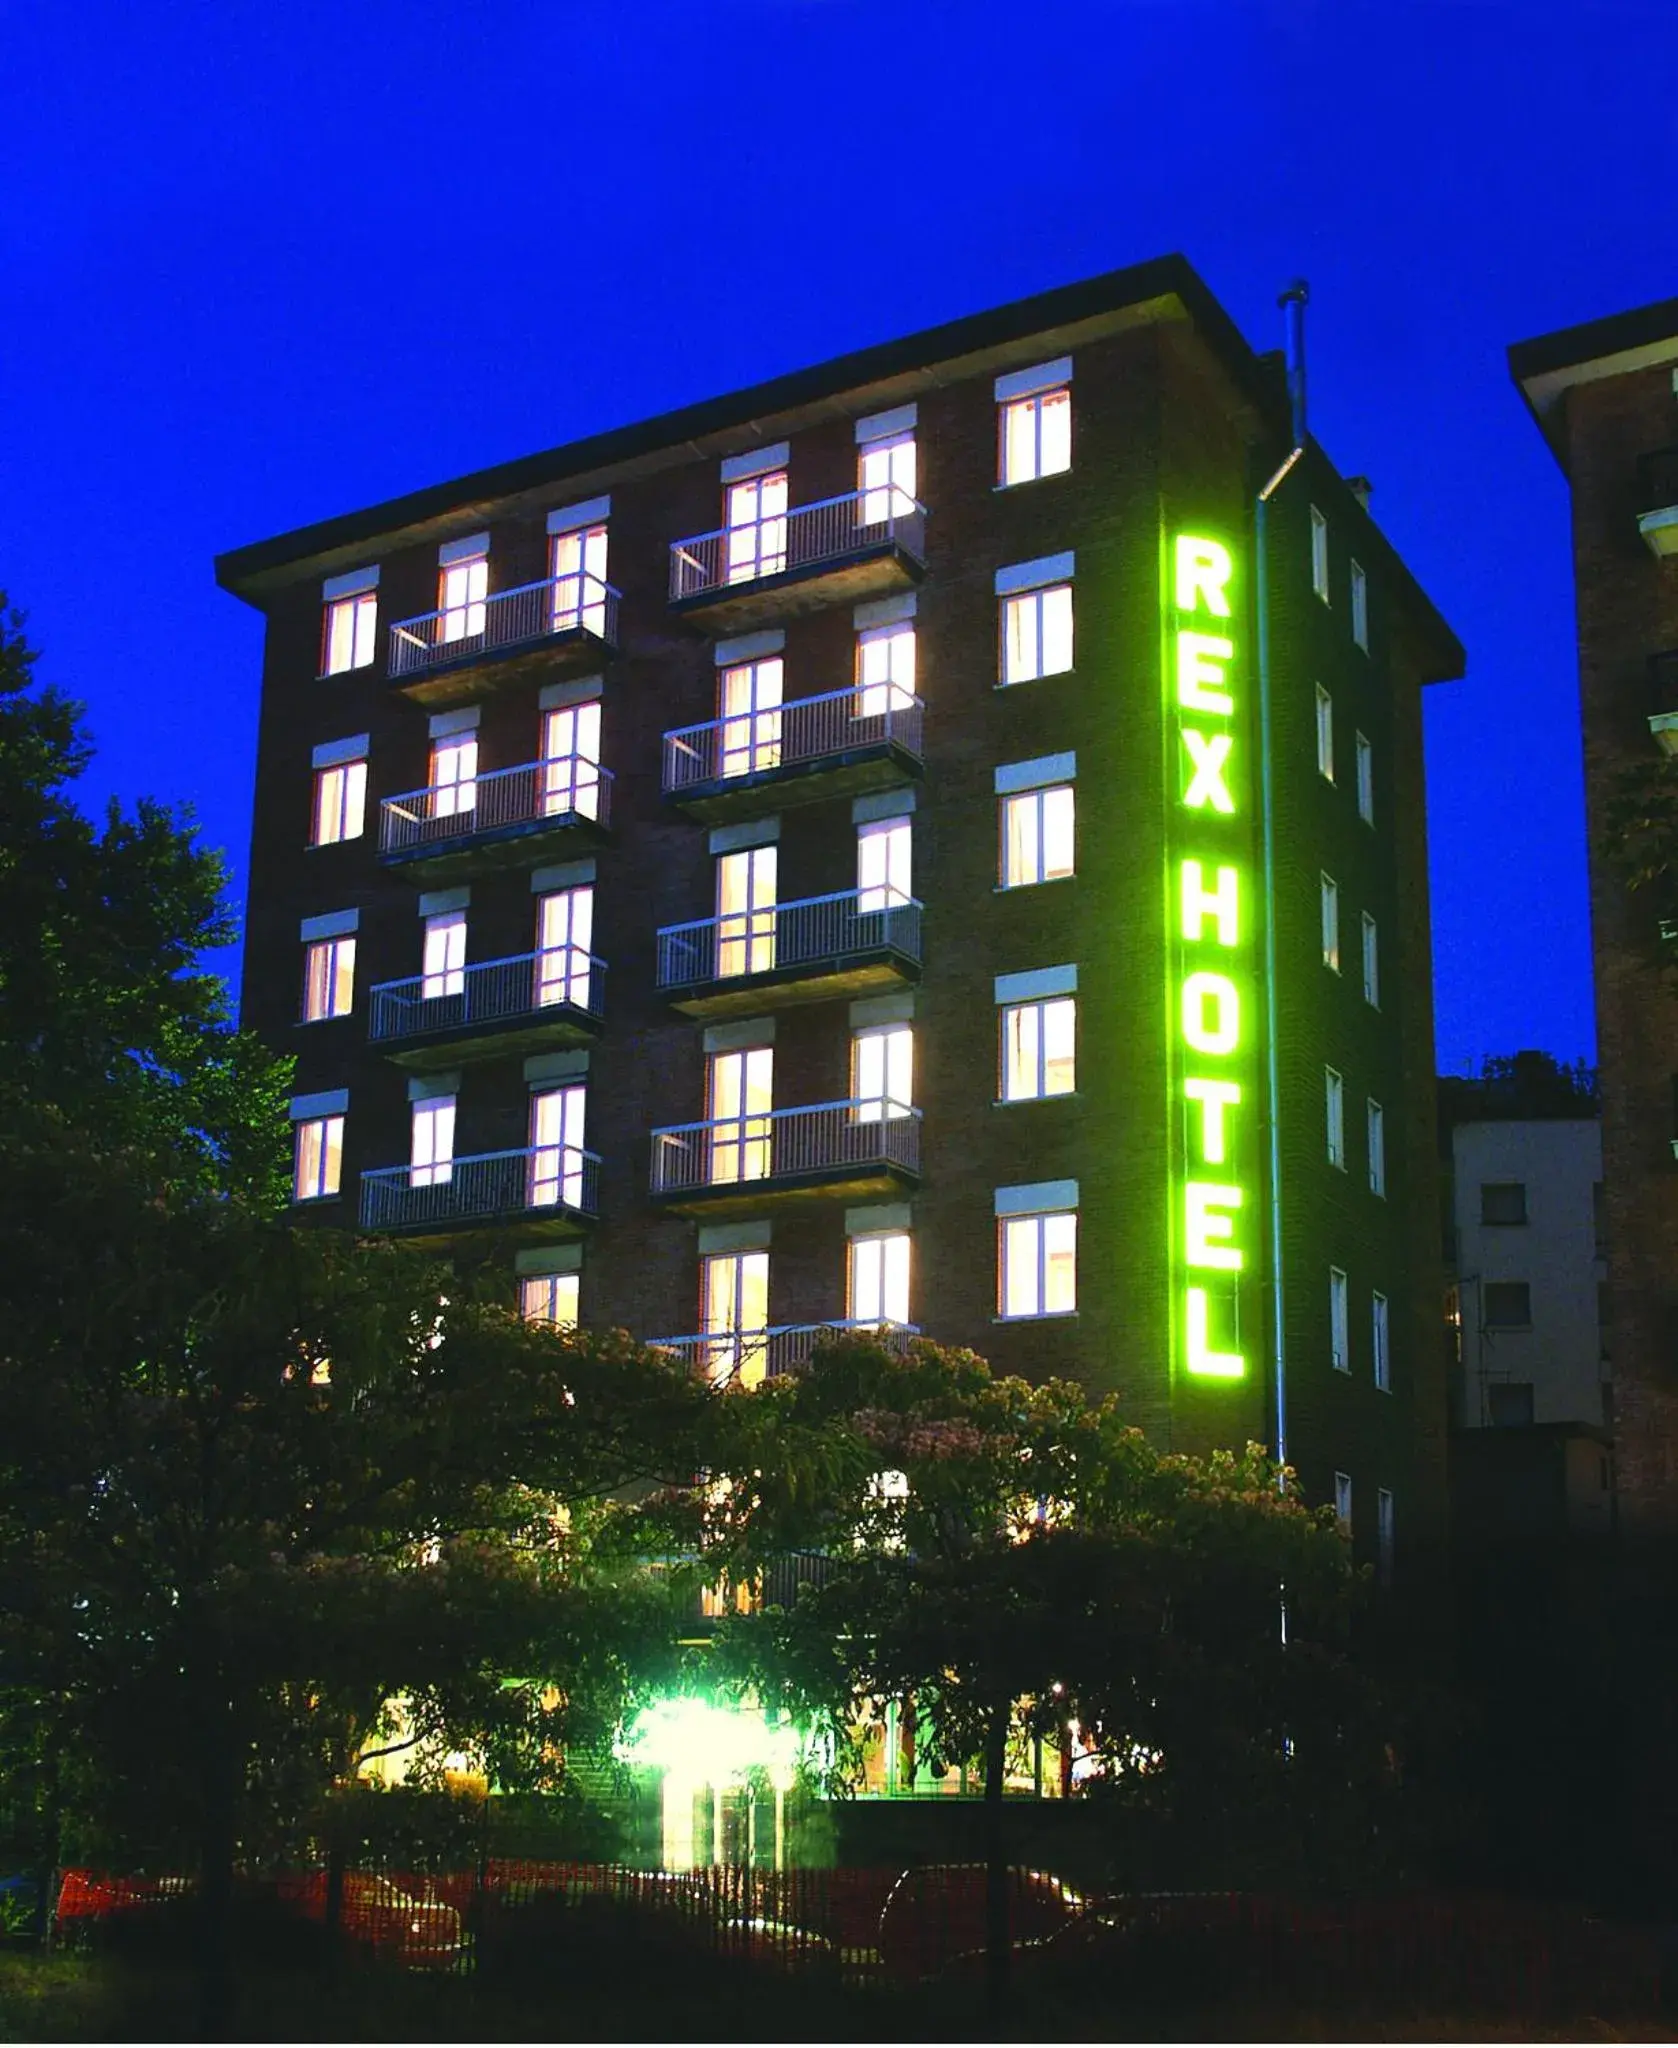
[[523, 1004], [1663, 699], [865, 544], [832, 1150], [813, 951], [563, 624], [504, 819], [1657, 501], [815, 747], [543, 1191], [746, 1357]]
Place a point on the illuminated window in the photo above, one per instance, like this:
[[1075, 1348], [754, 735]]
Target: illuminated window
[[340, 806], [1343, 1502], [734, 1310], [750, 705], [1037, 835], [886, 478], [571, 761], [328, 978], [556, 1147], [1380, 1338], [1384, 1533], [1360, 607], [1339, 1321], [1371, 963], [577, 568], [1334, 1091], [564, 933], [551, 1298], [1036, 436], [431, 1142], [463, 587], [882, 864], [454, 774], [1319, 554], [879, 1277], [1325, 733], [746, 911], [1331, 923], [1366, 780], [1039, 1049], [1037, 633], [1377, 1149], [1037, 1259], [741, 1094], [882, 1072], [319, 1158], [757, 526], [349, 628], [885, 669], [445, 955]]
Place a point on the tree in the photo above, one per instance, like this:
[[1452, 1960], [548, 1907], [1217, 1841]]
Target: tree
[[996, 1551]]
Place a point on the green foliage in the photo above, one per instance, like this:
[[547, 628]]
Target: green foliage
[[1640, 845], [1043, 1552]]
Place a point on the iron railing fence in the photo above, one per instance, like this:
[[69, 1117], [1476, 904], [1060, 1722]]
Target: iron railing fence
[[751, 1355], [481, 1187], [489, 992], [556, 791], [1657, 479], [778, 936], [787, 735], [804, 537], [785, 1144], [505, 619]]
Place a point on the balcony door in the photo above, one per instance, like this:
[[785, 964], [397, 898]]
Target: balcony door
[[564, 933], [571, 762], [757, 527], [463, 589], [577, 569], [886, 479], [741, 1096], [882, 865], [751, 717], [431, 1142], [454, 775], [556, 1147], [746, 911], [734, 1307]]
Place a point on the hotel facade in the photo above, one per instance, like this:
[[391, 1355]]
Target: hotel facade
[[866, 850]]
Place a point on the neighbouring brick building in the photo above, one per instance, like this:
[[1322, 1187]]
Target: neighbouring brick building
[[799, 860], [1605, 396]]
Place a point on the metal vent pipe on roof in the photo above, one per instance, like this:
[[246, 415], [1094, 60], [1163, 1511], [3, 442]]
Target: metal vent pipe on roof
[[1293, 303]]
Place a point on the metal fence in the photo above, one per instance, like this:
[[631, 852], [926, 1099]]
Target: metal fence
[[481, 1187], [773, 936], [787, 735], [730, 1354], [527, 985], [787, 1144], [577, 603], [805, 537], [560, 791]]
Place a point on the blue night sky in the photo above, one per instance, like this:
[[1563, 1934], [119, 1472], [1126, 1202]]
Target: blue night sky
[[267, 263]]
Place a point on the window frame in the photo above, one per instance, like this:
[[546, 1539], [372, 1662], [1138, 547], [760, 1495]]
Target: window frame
[[1334, 1116], [1359, 605], [902, 499], [1330, 922], [882, 1105], [1339, 1319], [768, 553], [1036, 599], [1036, 800], [883, 1244], [1371, 961], [1490, 1222], [1343, 1503], [892, 890], [740, 1363], [1037, 1222], [463, 615], [739, 1139], [1375, 1137], [746, 935], [1366, 778], [581, 610], [1380, 1341], [328, 1147], [335, 978], [881, 695], [1523, 1288], [361, 607], [557, 1160], [1319, 555], [572, 982], [552, 1283], [1006, 1013], [437, 1115], [1325, 734], [1031, 404], [340, 787], [571, 776]]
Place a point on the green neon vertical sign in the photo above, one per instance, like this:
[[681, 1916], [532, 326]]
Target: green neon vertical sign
[[1211, 924]]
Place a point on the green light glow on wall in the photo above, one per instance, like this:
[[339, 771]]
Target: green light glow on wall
[[1209, 945]]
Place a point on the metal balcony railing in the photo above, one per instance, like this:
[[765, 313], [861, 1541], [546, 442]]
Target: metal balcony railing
[[753, 1355], [789, 735], [787, 1144], [505, 619], [556, 792], [781, 936], [482, 1188], [1657, 480], [804, 538], [490, 992]]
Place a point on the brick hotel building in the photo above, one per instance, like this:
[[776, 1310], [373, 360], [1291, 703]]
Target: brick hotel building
[[800, 860]]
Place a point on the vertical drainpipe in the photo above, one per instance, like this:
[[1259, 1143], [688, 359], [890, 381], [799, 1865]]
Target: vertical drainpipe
[[1293, 302]]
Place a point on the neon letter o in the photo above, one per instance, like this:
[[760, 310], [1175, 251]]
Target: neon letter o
[[1211, 1013]]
